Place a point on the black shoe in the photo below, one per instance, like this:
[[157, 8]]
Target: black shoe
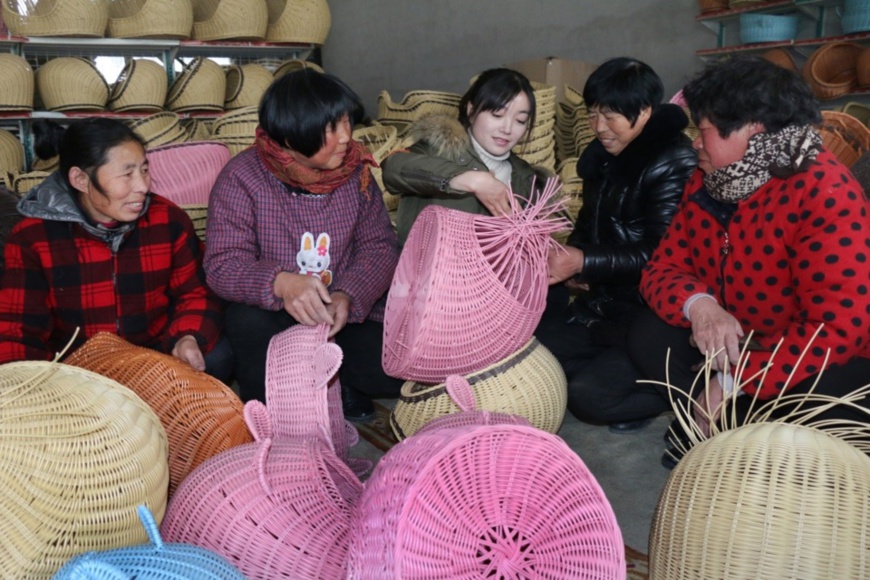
[[629, 426], [356, 406]]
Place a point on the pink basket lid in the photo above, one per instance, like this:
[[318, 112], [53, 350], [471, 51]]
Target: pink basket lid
[[275, 508], [481, 501], [469, 289], [303, 393], [185, 172]]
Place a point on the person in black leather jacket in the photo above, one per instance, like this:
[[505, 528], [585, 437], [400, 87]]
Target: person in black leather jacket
[[633, 177]]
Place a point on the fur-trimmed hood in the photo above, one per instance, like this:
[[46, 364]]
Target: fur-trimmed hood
[[444, 134]]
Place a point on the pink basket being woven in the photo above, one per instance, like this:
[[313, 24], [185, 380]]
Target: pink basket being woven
[[303, 393], [186, 172], [275, 508], [469, 289], [495, 500]]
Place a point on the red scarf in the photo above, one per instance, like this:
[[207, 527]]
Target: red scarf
[[283, 166]]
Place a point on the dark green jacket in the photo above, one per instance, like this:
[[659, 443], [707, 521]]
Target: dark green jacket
[[441, 151]]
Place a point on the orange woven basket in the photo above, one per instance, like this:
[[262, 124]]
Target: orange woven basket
[[844, 136], [201, 415], [863, 68], [832, 70]]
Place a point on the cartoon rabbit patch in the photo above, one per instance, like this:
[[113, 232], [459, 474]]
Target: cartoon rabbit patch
[[313, 259]]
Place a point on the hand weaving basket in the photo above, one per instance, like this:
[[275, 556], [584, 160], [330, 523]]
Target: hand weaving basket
[[56, 17], [160, 129], [150, 19], [246, 84], [469, 289], [141, 86], [201, 415], [71, 83], [241, 122], [11, 153], [201, 86], [529, 383], [765, 499], [185, 172], [230, 19], [305, 21], [484, 499], [79, 453], [756, 27], [276, 508], [379, 140], [831, 71], [415, 105], [844, 136], [24, 182], [157, 560], [16, 83], [197, 129], [293, 64]]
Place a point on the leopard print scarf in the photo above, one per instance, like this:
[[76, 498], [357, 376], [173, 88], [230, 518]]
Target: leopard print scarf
[[781, 154]]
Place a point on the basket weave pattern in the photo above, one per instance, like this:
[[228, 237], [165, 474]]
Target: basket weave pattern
[[186, 172], [306, 21], [141, 86], [80, 452], [16, 83], [150, 18], [70, 83], [86, 18], [230, 19], [201, 415], [201, 86], [765, 500], [831, 71]]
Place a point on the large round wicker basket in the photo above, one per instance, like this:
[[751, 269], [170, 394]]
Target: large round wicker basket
[[79, 453], [71, 83], [201, 86], [201, 415], [16, 83], [306, 21], [766, 500], [844, 136], [157, 560], [484, 500], [831, 71], [230, 19], [529, 383], [294, 64], [141, 86], [186, 172], [415, 105], [159, 129], [56, 18], [379, 140], [246, 84], [150, 18], [11, 153]]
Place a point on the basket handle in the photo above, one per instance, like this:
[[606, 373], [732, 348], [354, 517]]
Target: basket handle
[[258, 421], [147, 519], [123, 81], [241, 73], [459, 390]]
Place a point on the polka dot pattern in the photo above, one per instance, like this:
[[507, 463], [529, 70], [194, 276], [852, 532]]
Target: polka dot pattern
[[794, 257]]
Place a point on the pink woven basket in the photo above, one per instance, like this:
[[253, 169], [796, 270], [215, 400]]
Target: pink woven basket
[[469, 289], [186, 172], [275, 508], [484, 501], [303, 393]]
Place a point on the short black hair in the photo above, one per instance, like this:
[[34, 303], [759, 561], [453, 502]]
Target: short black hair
[[624, 85], [86, 143], [493, 90], [297, 108], [743, 89]]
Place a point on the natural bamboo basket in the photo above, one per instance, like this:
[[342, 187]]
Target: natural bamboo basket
[[246, 84], [16, 83], [11, 153], [529, 383], [295, 64], [80, 452], [201, 86], [379, 140], [230, 19], [24, 182], [71, 83], [239, 122], [141, 86], [831, 71], [415, 105], [844, 136], [197, 129], [306, 21], [150, 19], [49, 165], [56, 17], [765, 500], [159, 129], [202, 416]]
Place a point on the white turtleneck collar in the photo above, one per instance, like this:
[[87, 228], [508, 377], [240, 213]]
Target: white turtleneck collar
[[498, 165]]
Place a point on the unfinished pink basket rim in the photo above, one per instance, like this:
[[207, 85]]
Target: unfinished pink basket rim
[[185, 172]]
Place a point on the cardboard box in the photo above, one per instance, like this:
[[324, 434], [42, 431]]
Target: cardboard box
[[557, 72]]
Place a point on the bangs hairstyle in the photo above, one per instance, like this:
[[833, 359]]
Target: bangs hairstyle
[[746, 89], [624, 85], [85, 144], [493, 90], [297, 108]]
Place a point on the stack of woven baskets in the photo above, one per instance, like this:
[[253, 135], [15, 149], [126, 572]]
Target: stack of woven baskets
[[415, 105], [380, 140], [539, 148]]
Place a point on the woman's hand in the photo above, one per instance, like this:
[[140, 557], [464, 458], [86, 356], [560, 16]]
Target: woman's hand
[[709, 406], [305, 298], [716, 333], [492, 193], [563, 263], [187, 349], [339, 309]]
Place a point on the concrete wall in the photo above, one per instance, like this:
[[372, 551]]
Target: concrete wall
[[402, 45]]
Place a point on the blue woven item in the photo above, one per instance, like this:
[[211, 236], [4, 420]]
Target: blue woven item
[[154, 561], [855, 6], [767, 27], [857, 21]]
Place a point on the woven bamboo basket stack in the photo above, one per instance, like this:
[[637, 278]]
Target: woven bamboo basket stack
[[236, 129], [539, 148], [415, 105], [159, 129], [245, 85], [380, 140]]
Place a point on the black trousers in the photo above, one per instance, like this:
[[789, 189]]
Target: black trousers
[[250, 329], [602, 379], [650, 338]]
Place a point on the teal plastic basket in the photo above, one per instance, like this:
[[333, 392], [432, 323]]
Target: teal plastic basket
[[857, 21], [756, 28]]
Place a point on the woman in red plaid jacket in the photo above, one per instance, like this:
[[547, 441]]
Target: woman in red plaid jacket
[[98, 252]]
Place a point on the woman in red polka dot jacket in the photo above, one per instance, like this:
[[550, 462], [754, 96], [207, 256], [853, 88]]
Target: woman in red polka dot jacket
[[772, 238]]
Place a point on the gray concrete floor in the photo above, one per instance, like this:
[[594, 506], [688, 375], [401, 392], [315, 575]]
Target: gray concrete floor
[[627, 467]]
